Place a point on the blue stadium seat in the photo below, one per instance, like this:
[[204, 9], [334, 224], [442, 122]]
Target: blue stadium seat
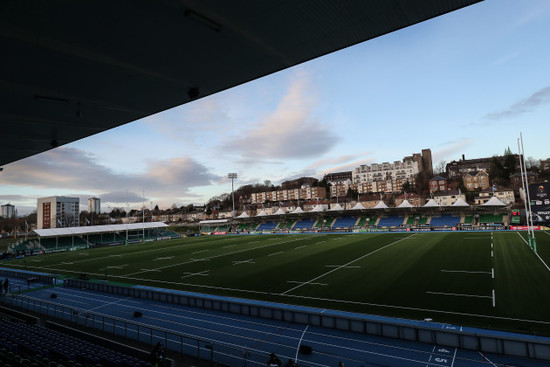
[[391, 221]]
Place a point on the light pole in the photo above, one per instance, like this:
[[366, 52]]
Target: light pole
[[232, 176]]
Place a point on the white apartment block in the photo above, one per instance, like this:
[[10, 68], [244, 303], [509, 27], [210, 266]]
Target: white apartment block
[[385, 177], [304, 193], [57, 211]]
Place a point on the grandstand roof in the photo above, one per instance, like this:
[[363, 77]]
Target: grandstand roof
[[431, 204], [279, 212], [75, 231], [494, 201], [358, 206], [336, 207], [262, 213], [298, 210], [460, 202], [213, 221], [381, 205], [243, 215], [67, 77], [405, 204]]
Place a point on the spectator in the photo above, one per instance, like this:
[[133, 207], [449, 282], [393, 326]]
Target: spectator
[[157, 355], [6, 286], [273, 361]]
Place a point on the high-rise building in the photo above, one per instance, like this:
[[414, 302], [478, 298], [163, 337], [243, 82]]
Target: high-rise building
[[94, 205], [57, 211], [8, 211]]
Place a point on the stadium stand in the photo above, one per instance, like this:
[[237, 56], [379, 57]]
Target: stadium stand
[[410, 220], [23, 344], [267, 226], [469, 219], [286, 225], [361, 222], [423, 221], [60, 243], [391, 221], [372, 221], [344, 222], [445, 220], [491, 218], [243, 226], [304, 224], [319, 223]]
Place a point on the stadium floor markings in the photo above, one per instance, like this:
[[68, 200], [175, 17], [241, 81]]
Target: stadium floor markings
[[346, 264], [466, 271], [276, 253], [458, 294], [195, 260], [163, 258], [298, 282], [203, 273], [343, 267], [420, 309], [155, 270], [238, 262], [540, 258], [296, 248], [224, 254]]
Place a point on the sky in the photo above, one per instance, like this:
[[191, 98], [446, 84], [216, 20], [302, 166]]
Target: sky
[[468, 82]]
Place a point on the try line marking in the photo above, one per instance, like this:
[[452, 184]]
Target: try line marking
[[520, 236], [466, 271], [458, 294], [346, 264]]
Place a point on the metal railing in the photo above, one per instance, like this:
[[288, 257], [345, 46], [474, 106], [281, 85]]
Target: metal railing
[[184, 344]]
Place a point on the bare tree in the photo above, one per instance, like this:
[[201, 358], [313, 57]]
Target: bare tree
[[440, 168]]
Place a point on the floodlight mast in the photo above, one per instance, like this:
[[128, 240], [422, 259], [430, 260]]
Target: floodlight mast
[[232, 176]]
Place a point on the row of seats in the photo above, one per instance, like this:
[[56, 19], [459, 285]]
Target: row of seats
[[39, 344]]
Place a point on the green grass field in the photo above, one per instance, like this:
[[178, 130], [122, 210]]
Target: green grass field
[[449, 277]]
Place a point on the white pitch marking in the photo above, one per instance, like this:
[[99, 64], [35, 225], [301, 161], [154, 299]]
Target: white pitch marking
[[67, 262], [116, 266], [198, 252], [297, 282], [351, 262], [203, 259], [156, 270], [200, 273], [229, 246], [547, 267], [238, 262], [493, 273], [457, 294], [115, 255], [491, 253], [296, 248], [491, 245], [83, 253], [276, 253], [343, 267], [164, 258], [494, 298], [466, 271]]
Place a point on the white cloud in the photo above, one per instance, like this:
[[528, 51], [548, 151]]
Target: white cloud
[[290, 131]]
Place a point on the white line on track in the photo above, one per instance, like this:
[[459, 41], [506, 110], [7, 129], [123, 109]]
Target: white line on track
[[458, 294], [108, 304], [524, 240], [431, 355], [454, 357], [348, 263], [487, 359], [466, 271]]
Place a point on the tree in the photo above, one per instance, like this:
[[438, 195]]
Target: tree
[[441, 168], [407, 187], [531, 164]]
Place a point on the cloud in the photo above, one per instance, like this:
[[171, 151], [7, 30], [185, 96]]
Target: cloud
[[70, 169], [528, 104], [290, 131], [449, 149]]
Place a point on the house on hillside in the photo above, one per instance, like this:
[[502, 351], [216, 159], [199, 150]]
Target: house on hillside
[[476, 180]]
